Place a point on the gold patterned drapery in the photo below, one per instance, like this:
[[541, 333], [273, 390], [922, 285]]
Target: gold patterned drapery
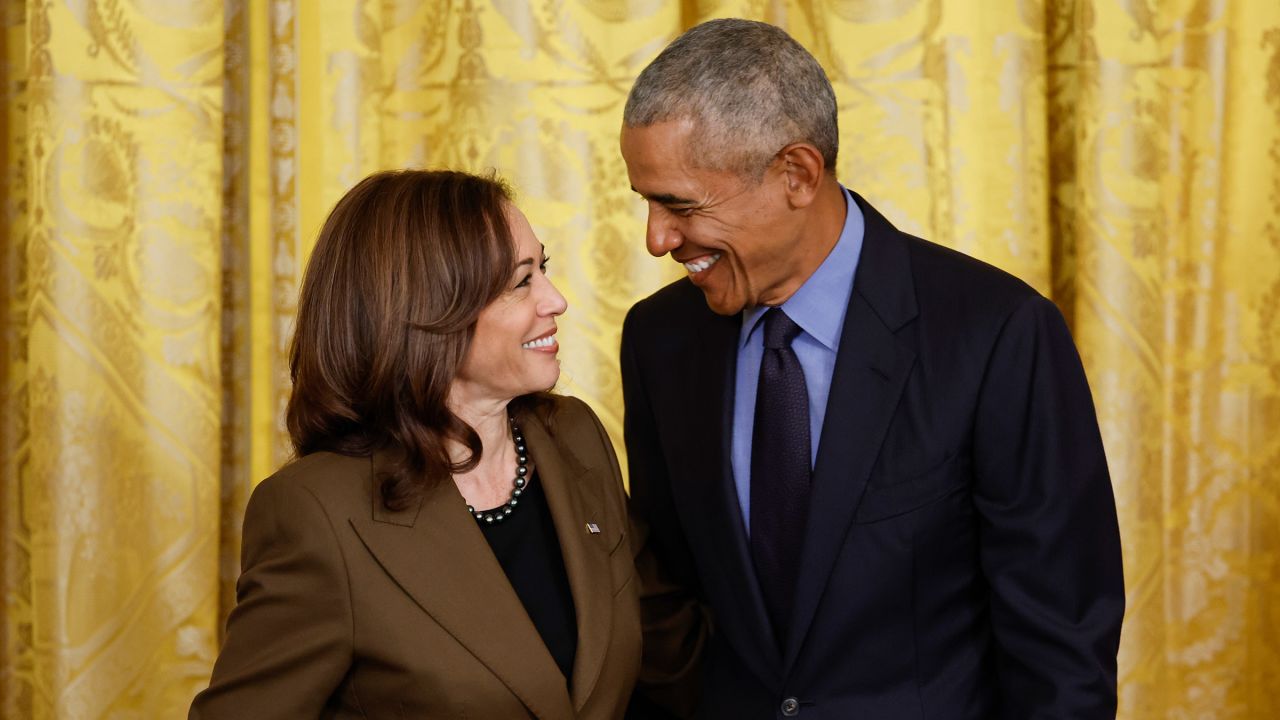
[[166, 166]]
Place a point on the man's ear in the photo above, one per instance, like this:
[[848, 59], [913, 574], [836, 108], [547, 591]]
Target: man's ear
[[803, 168]]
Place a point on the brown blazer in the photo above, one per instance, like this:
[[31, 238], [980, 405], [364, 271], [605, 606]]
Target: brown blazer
[[346, 610]]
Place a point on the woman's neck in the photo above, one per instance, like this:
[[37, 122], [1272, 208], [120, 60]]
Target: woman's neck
[[488, 484]]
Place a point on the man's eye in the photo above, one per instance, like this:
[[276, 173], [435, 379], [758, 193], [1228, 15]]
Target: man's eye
[[682, 211]]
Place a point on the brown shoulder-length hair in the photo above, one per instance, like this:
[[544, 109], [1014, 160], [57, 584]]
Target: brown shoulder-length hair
[[403, 266]]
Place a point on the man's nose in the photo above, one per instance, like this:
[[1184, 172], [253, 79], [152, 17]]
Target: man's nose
[[662, 236]]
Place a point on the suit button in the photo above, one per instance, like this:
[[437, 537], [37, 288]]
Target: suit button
[[790, 707]]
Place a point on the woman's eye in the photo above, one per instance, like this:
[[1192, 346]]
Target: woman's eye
[[527, 279]]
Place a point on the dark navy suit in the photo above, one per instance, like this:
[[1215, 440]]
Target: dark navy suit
[[961, 557]]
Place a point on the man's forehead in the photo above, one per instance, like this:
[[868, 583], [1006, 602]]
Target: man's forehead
[[666, 140], [655, 151]]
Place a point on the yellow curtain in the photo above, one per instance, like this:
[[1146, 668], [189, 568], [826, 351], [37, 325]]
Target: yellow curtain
[[166, 167]]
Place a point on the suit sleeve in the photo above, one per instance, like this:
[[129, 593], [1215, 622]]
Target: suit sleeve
[[674, 623], [1049, 539], [289, 638]]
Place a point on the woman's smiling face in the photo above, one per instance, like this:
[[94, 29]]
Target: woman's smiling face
[[513, 350]]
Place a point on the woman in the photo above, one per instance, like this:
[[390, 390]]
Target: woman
[[451, 541]]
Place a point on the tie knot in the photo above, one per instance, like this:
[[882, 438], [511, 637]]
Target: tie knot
[[779, 330]]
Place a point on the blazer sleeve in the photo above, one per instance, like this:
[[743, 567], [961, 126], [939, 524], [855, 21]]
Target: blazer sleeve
[[675, 625], [1049, 538], [289, 638]]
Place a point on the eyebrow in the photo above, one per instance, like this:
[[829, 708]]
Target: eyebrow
[[529, 261], [664, 198]]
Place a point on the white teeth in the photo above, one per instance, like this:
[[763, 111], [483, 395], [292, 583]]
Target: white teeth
[[698, 266], [547, 341]]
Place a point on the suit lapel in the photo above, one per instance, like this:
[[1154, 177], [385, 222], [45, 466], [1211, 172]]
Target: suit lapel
[[574, 499], [870, 372], [707, 482], [438, 555]]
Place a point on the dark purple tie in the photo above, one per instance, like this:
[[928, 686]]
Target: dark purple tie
[[779, 469]]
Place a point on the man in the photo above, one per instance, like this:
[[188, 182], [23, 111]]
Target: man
[[874, 460]]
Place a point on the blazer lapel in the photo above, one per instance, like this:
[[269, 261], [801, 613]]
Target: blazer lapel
[[704, 479], [574, 499], [438, 555], [870, 372]]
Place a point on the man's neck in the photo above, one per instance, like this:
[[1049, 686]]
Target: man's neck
[[818, 235]]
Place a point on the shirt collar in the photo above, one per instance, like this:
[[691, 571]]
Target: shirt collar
[[829, 286]]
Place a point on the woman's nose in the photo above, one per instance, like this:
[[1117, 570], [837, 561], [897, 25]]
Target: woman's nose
[[553, 303]]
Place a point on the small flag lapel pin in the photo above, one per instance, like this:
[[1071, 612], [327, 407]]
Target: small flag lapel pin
[[593, 528]]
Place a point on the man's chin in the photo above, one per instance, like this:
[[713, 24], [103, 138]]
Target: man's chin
[[721, 305]]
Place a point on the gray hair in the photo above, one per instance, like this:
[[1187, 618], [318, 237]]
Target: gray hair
[[749, 89]]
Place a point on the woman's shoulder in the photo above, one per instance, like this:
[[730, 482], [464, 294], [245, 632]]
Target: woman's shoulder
[[569, 404], [568, 416], [330, 477], [576, 428]]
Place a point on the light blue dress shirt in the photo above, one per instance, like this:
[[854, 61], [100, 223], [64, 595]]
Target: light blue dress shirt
[[818, 307]]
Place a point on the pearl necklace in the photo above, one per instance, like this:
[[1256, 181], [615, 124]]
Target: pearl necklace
[[500, 513]]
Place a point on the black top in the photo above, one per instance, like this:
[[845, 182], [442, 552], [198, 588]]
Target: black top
[[529, 551]]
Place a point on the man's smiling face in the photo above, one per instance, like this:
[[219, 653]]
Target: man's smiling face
[[734, 236]]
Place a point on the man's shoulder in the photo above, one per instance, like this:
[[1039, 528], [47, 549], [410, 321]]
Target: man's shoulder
[[934, 261], [952, 282], [936, 271], [680, 296], [675, 311], [961, 299]]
